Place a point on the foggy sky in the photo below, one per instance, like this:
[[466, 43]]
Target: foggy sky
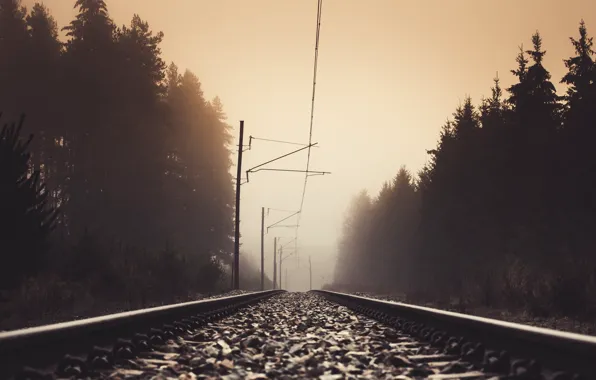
[[390, 73]]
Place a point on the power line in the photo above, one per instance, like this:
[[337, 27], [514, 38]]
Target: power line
[[314, 87], [312, 106]]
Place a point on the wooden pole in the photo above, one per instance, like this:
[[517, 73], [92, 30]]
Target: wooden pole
[[262, 248], [236, 271]]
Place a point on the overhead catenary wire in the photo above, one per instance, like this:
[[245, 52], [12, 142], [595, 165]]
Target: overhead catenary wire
[[312, 106], [312, 111]]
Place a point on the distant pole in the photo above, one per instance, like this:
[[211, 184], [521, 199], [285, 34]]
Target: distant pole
[[274, 263], [310, 273], [232, 273], [281, 250], [237, 227], [262, 248], [286, 278]]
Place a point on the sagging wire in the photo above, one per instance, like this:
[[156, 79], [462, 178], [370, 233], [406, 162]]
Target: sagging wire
[[312, 107]]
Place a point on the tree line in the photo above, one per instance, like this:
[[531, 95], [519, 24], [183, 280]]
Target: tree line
[[504, 212], [124, 192]]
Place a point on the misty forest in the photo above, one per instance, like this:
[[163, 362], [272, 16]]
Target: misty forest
[[122, 197], [116, 192], [504, 212]]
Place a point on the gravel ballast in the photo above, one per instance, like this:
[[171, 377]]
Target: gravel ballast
[[294, 336]]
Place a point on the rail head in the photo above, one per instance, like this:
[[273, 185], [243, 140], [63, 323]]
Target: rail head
[[558, 350], [43, 345]]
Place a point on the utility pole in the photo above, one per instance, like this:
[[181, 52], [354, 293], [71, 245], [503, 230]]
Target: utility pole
[[281, 250], [286, 278], [310, 273], [232, 285], [262, 248], [274, 263], [236, 270]]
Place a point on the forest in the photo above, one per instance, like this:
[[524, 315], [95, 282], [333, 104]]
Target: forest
[[115, 188], [503, 214]]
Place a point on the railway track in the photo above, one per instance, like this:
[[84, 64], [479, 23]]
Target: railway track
[[281, 335], [465, 346], [85, 348]]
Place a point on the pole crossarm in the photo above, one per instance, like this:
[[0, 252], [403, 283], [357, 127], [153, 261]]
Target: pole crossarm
[[291, 170], [279, 221], [279, 240], [288, 243], [287, 226], [279, 158], [242, 181], [276, 141], [315, 173], [278, 209], [282, 156]]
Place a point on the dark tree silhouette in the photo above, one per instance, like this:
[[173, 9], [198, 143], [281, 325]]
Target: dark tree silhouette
[[581, 79], [503, 213], [14, 44], [26, 221], [130, 152]]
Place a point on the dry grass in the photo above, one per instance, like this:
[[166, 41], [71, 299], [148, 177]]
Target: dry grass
[[587, 327], [48, 300]]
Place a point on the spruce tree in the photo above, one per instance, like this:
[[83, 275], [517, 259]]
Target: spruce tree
[[581, 78], [518, 91], [578, 182], [545, 103], [492, 110]]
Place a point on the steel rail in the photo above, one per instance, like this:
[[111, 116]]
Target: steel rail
[[551, 349], [44, 346]]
